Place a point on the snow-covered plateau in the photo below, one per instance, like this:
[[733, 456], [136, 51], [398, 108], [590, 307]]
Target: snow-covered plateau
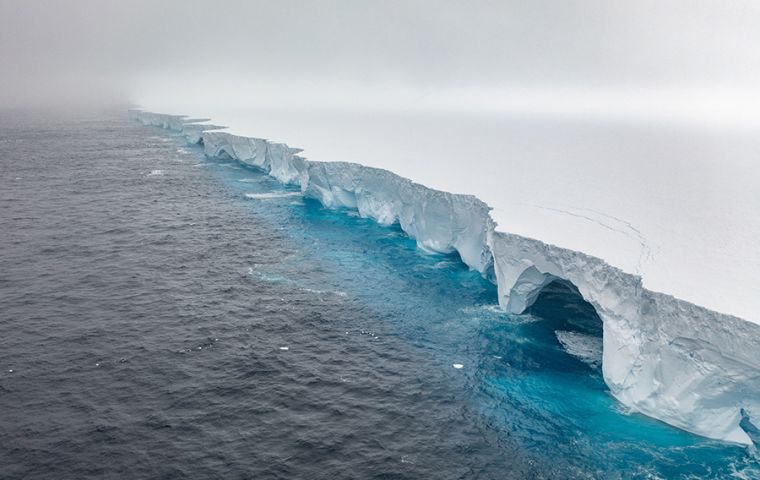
[[666, 357]]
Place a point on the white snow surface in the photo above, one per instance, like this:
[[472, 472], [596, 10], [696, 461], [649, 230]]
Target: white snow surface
[[632, 215], [676, 205]]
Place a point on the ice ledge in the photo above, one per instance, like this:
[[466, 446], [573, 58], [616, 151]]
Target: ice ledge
[[690, 367]]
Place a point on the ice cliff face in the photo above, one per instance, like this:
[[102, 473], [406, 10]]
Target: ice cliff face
[[438, 221], [685, 365]]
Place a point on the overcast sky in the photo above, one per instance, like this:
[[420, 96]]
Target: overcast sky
[[704, 52]]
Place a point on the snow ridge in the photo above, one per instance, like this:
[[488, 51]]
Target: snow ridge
[[685, 365]]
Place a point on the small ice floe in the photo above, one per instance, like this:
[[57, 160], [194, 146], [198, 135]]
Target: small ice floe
[[10, 371], [372, 335], [407, 459], [97, 364], [271, 195], [284, 348], [154, 173], [458, 366]]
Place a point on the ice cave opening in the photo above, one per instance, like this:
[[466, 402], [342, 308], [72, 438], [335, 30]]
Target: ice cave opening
[[568, 321]]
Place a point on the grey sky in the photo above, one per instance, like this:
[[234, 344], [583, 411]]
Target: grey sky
[[79, 50]]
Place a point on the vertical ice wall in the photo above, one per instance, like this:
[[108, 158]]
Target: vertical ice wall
[[685, 365], [682, 364]]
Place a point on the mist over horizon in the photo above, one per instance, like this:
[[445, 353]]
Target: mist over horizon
[[356, 239], [676, 60]]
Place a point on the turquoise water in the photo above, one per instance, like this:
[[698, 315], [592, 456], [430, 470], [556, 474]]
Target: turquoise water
[[519, 378], [165, 315]]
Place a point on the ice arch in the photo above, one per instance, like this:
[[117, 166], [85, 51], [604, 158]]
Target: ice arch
[[666, 358], [685, 365], [567, 320], [529, 286]]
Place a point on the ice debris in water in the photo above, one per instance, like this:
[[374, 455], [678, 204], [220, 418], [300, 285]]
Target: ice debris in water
[[458, 365], [587, 348], [271, 195], [284, 348]]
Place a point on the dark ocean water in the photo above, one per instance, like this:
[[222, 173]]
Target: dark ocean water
[[164, 315]]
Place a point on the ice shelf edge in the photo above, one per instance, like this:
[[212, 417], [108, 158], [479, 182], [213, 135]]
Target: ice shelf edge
[[685, 365]]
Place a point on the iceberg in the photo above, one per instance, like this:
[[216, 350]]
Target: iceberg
[[691, 367]]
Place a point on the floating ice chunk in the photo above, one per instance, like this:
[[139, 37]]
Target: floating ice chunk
[[458, 366], [284, 348], [271, 195], [587, 348]]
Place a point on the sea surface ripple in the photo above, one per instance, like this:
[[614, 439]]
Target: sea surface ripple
[[165, 315]]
